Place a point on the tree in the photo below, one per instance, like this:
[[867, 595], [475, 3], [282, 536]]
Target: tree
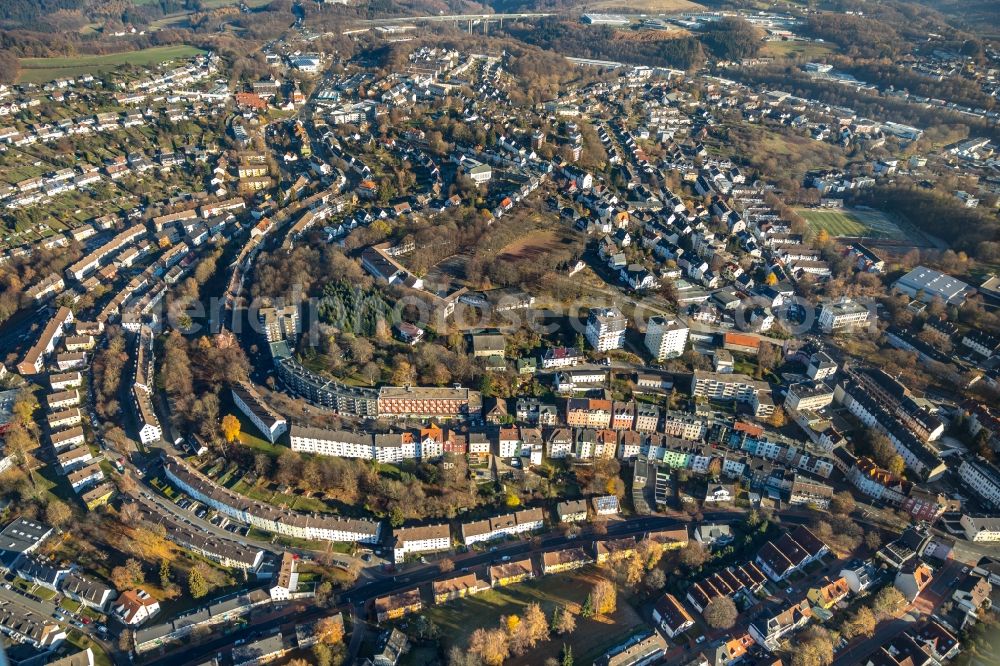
[[125, 640], [888, 602], [57, 513], [165, 573], [813, 647], [605, 597], [721, 613], [330, 630], [587, 610], [896, 465], [197, 585], [656, 580], [535, 623], [777, 419], [567, 655], [873, 539], [445, 565], [693, 555], [563, 621], [230, 428], [861, 623], [842, 503], [322, 654], [491, 645], [121, 579], [134, 569]]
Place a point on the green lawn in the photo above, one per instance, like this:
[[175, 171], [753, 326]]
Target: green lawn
[[796, 49], [458, 619], [851, 222], [42, 70], [78, 639]]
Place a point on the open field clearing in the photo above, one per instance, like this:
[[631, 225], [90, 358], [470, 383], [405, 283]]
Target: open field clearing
[[796, 49], [852, 223], [534, 244], [43, 70]]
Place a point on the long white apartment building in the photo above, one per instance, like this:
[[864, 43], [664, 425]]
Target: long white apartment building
[[423, 539], [286, 522], [666, 337], [269, 422], [982, 478], [382, 447]]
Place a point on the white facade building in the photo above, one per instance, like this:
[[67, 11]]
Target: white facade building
[[666, 337], [606, 329]]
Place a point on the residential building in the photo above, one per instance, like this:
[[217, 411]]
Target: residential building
[[286, 578], [420, 539], [972, 593], [395, 606], [809, 396], [565, 559], [843, 315], [770, 628], [790, 552], [588, 413], [87, 591], [572, 511], [821, 366], [827, 596], [339, 443], [982, 478], [321, 527], [713, 534], [263, 650], [391, 646], [912, 579], [249, 401], [34, 358], [670, 616], [606, 329], [666, 337], [606, 505], [983, 529], [561, 357], [511, 524], [134, 607], [458, 586], [808, 491], [638, 651], [511, 573]]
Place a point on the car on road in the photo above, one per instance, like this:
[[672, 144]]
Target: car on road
[[505, 558], [789, 590]]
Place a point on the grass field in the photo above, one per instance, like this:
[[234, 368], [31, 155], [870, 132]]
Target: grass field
[[852, 222], [43, 70], [796, 49], [591, 639]]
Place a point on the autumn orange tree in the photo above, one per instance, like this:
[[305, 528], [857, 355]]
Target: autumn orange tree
[[330, 630], [230, 427]]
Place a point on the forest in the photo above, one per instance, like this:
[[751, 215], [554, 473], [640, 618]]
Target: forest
[[573, 39]]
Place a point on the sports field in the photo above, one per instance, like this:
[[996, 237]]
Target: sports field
[[852, 222], [43, 70]]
